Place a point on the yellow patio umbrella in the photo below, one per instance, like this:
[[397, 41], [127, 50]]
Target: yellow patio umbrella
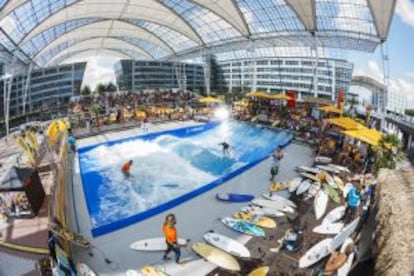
[[281, 97], [209, 100], [345, 123], [139, 113], [259, 94], [330, 109], [367, 135]]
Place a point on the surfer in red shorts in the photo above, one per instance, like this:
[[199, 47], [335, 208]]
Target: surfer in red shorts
[[126, 168]]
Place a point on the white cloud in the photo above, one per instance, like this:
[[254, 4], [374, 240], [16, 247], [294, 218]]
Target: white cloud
[[100, 69], [399, 86], [372, 70], [405, 10]]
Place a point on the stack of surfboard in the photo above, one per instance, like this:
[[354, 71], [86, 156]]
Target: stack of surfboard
[[324, 247]]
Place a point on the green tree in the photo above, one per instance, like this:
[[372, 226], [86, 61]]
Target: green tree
[[86, 90], [100, 88], [409, 112], [388, 153], [111, 87], [96, 110]]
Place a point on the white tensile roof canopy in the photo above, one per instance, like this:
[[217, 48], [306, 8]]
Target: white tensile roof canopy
[[48, 32]]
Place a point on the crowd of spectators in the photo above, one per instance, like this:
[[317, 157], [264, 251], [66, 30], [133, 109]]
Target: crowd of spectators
[[120, 107], [309, 125]]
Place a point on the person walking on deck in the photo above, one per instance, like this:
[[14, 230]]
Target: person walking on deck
[[276, 158], [170, 233]]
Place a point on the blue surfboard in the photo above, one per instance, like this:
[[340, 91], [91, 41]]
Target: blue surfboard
[[231, 197]]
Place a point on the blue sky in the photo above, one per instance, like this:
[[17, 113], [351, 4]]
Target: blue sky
[[400, 44], [401, 58]]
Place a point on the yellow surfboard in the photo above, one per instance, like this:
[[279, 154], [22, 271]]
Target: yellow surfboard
[[274, 187], [216, 256], [261, 271], [251, 217], [339, 182], [151, 271]]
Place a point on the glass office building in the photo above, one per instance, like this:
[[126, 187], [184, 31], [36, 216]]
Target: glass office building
[[137, 75], [282, 74], [47, 89]]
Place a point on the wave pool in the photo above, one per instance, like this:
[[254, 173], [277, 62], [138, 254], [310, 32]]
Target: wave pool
[[169, 168]]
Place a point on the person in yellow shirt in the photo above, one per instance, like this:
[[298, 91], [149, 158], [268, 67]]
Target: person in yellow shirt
[[170, 234]]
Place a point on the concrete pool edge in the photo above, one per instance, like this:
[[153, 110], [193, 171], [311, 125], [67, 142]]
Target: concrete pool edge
[[120, 224]]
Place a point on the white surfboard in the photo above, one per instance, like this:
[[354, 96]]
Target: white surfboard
[[262, 211], [274, 197], [316, 253], [329, 228], [132, 272], [334, 215], [273, 204], [344, 270], [323, 159], [347, 188], [339, 167], [320, 202], [303, 187], [154, 244], [314, 189], [227, 244], [327, 168], [308, 169], [294, 183], [84, 270], [346, 232]]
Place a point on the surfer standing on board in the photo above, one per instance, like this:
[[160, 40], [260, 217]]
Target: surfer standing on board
[[126, 168], [225, 148], [170, 234], [276, 157]]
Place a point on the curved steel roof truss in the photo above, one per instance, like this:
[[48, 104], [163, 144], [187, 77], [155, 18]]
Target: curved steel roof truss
[[179, 27], [110, 29]]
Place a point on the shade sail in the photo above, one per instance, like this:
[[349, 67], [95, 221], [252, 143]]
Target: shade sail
[[345, 123]]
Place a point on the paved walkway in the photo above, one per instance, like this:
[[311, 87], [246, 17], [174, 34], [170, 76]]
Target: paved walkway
[[15, 266], [195, 217]]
